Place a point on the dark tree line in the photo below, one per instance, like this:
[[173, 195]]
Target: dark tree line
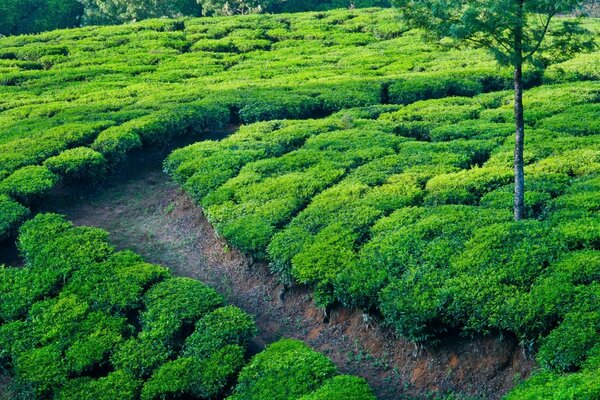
[[30, 16]]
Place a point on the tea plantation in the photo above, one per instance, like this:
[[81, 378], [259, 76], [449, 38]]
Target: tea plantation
[[408, 211], [84, 321], [73, 102], [369, 166]]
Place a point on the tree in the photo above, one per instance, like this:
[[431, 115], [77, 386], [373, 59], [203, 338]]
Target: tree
[[119, 11], [32, 16], [513, 30]]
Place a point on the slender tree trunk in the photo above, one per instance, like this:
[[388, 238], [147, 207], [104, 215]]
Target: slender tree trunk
[[519, 200]]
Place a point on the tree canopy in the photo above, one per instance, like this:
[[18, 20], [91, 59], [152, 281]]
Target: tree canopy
[[493, 23]]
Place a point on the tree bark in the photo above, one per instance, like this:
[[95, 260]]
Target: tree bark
[[519, 199]]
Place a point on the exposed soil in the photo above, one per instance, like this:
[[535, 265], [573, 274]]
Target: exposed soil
[[144, 211]]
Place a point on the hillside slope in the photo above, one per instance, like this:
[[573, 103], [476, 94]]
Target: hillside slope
[[370, 166], [74, 101]]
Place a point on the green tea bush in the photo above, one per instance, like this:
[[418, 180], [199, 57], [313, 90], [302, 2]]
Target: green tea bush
[[546, 384], [78, 163], [70, 89], [420, 229], [578, 121], [12, 215], [567, 347], [67, 319], [116, 385], [81, 320], [225, 325], [114, 143], [29, 183], [423, 88], [204, 378], [186, 300], [466, 186], [342, 387], [287, 369]]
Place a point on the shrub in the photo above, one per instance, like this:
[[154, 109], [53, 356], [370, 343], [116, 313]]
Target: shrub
[[116, 284], [115, 142], [466, 186], [204, 378], [580, 120], [567, 347], [116, 385], [470, 130], [78, 163], [12, 215], [28, 183], [426, 87], [287, 369], [176, 302], [140, 356], [499, 261], [342, 387], [42, 368], [225, 325], [546, 384]]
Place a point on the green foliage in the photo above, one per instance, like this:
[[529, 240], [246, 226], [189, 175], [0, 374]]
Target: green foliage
[[551, 385], [115, 12], [116, 284], [29, 16], [418, 225], [81, 321], [225, 325], [28, 183], [287, 369], [494, 24], [342, 387], [115, 143], [200, 377], [116, 385], [567, 347], [12, 215], [78, 163], [66, 94], [176, 302]]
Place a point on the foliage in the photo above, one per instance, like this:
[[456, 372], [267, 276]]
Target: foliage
[[12, 215], [493, 24], [64, 318], [30, 16], [82, 321], [77, 163], [342, 387], [115, 12], [28, 183], [287, 369], [417, 225]]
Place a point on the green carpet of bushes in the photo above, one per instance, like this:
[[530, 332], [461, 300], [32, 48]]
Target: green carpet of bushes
[[77, 101], [407, 211], [370, 166], [84, 321]]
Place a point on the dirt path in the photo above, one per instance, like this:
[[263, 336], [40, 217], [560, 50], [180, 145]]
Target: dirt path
[[144, 211]]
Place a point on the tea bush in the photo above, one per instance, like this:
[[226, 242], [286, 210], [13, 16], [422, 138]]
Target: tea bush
[[12, 214], [277, 374]]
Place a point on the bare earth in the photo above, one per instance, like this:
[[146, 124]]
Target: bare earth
[[144, 211]]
